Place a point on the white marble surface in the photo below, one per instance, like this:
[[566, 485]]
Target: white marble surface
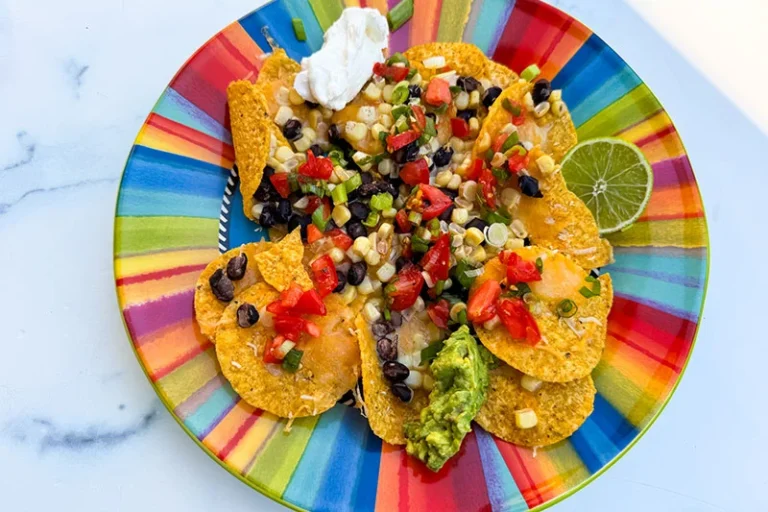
[[80, 427]]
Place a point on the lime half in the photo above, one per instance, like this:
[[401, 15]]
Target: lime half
[[612, 177]]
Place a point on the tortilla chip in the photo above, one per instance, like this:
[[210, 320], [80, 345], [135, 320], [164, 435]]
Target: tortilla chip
[[208, 309], [281, 264], [466, 59], [330, 365], [560, 408], [501, 75], [277, 71], [251, 136], [559, 220], [386, 413], [562, 355]]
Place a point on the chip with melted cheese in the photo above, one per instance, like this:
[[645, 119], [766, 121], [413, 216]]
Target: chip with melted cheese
[[275, 80], [281, 265], [570, 348]]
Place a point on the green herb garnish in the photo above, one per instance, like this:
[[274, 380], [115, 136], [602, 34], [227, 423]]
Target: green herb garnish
[[501, 174], [509, 107], [293, 359], [429, 353]]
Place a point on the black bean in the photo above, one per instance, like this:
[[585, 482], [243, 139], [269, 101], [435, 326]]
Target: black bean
[[467, 114], [406, 153], [247, 315], [268, 217], [414, 91], [358, 210], [394, 371], [490, 95], [387, 187], [477, 223], [446, 215], [221, 286], [396, 318], [468, 83], [541, 91], [356, 230], [366, 190], [342, 277], [366, 177], [266, 191], [298, 220], [316, 150], [357, 273], [334, 133], [529, 186], [381, 329], [292, 129], [283, 211], [453, 194], [236, 267], [311, 104], [401, 391], [387, 348], [443, 156], [526, 242], [401, 262]]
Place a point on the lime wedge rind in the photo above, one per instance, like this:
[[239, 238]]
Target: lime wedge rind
[[618, 165]]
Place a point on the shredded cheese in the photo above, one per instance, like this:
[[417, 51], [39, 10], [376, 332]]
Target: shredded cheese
[[572, 325], [236, 364], [586, 250], [590, 320]]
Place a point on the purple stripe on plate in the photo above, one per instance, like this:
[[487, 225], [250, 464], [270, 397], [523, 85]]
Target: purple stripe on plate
[[151, 316]]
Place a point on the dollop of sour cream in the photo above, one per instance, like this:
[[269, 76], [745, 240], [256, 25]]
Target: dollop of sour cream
[[334, 75]]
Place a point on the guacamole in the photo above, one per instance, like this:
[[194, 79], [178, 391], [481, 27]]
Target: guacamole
[[461, 381]]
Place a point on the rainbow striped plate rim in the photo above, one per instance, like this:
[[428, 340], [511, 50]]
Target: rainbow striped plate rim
[[178, 207]]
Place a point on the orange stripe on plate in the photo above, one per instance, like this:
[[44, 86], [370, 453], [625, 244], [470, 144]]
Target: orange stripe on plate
[[425, 21], [677, 202], [247, 47], [566, 48], [218, 438], [139, 293], [156, 138], [252, 442], [387, 492], [170, 346], [381, 5]]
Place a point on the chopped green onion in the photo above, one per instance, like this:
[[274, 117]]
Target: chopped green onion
[[434, 227], [522, 289], [292, 360], [401, 125], [460, 273], [293, 181], [339, 195], [429, 132], [371, 160], [492, 217], [387, 314], [540, 265], [530, 72], [455, 89], [439, 287], [411, 73], [381, 202], [418, 244], [509, 107], [353, 182], [489, 154], [441, 109], [383, 137], [398, 58], [400, 93], [497, 234], [399, 111], [501, 174], [399, 14], [414, 218], [517, 149], [462, 317], [567, 308], [337, 157], [390, 288], [513, 139], [594, 292], [429, 353], [318, 218], [371, 220], [298, 29]]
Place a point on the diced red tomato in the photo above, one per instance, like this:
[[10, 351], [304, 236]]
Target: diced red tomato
[[439, 313], [310, 303], [281, 184], [482, 302], [313, 233], [271, 354], [324, 275], [313, 204], [437, 259], [276, 308], [438, 92], [421, 119], [474, 171], [395, 142], [499, 142], [415, 172], [517, 162], [459, 127], [487, 183], [402, 221], [438, 202], [405, 288], [340, 239], [290, 297], [520, 270], [518, 320], [395, 73], [320, 168], [292, 326], [519, 119]]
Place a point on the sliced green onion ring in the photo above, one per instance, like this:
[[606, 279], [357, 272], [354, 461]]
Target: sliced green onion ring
[[567, 308]]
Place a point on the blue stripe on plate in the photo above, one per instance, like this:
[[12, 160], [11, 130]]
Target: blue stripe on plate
[[486, 23], [176, 107], [208, 415], [277, 20], [300, 9], [368, 473], [605, 433]]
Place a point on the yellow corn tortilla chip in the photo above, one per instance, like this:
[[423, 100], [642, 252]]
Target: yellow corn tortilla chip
[[329, 368], [277, 71], [281, 264], [501, 75], [251, 136], [559, 220], [466, 59], [561, 408], [562, 355], [208, 309], [386, 413]]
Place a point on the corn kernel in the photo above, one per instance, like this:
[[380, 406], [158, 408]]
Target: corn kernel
[[484, 143], [365, 287], [386, 167], [526, 418], [309, 133], [468, 190], [509, 129], [541, 109], [284, 114], [355, 131], [456, 309], [473, 237], [474, 98], [442, 178], [358, 157], [546, 164], [385, 231], [529, 383], [528, 101], [510, 197], [361, 245], [373, 258], [352, 255], [367, 114], [376, 129], [418, 305], [283, 153], [374, 239], [457, 144], [349, 294], [282, 96], [462, 100], [498, 160], [514, 243], [479, 255], [386, 272], [474, 126], [327, 113], [385, 108], [387, 121], [314, 118], [457, 157], [372, 92], [302, 144], [386, 92], [454, 182], [294, 98], [371, 313], [459, 216], [556, 95], [414, 380], [340, 215], [559, 108], [518, 228], [337, 255]]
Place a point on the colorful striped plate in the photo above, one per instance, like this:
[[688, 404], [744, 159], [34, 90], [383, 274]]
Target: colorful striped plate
[[179, 207]]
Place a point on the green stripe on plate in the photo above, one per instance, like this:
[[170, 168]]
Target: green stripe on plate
[[638, 105], [135, 235], [453, 19], [327, 11]]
